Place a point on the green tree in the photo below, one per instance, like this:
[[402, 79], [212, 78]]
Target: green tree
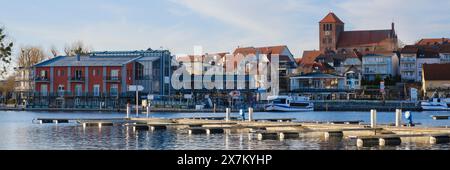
[[5, 53]]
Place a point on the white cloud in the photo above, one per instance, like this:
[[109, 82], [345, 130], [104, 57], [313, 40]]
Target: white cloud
[[414, 19]]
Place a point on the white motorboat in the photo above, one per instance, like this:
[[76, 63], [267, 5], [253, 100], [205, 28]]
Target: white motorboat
[[436, 104], [289, 104]]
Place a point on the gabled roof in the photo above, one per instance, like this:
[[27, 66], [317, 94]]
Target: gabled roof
[[433, 41], [410, 49], [269, 50], [263, 50], [367, 37], [435, 71], [331, 18], [428, 52], [352, 68], [309, 57]]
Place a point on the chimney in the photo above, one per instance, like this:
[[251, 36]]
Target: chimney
[[78, 57]]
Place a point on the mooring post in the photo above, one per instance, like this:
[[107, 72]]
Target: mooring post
[[128, 110], [373, 118], [398, 118], [250, 114], [227, 114]]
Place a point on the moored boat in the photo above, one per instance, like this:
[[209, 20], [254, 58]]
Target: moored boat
[[289, 104], [436, 104]]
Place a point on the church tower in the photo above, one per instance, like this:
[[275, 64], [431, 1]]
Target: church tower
[[331, 28]]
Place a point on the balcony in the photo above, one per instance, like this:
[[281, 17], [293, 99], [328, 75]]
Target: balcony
[[77, 79], [407, 68], [405, 60], [113, 79], [41, 79]]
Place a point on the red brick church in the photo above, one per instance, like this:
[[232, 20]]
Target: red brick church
[[333, 37]]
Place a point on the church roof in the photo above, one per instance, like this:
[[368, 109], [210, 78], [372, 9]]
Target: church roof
[[331, 18], [365, 37]]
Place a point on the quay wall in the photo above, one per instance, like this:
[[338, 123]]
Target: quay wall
[[366, 105], [343, 105]]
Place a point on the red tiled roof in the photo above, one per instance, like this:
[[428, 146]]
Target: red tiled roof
[[355, 38], [309, 57], [331, 18], [435, 71], [445, 48], [264, 50], [192, 58], [298, 60], [432, 41], [410, 49]]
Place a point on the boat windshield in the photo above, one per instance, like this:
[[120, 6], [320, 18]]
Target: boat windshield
[[279, 101]]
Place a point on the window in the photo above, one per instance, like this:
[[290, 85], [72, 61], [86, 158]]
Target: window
[[44, 90], [60, 73], [114, 90], [114, 74], [96, 90], [78, 74], [139, 71], [43, 74], [78, 90], [60, 90]]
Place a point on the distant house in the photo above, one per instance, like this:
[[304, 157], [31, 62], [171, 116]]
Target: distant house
[[444, 53], [287, 62], [436, 80], [24, 84], [383, 64], [408, 63], [353, 77], [307, 63], [427, 55], [318, 85]]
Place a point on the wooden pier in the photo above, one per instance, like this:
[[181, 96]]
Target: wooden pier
[[276, 129]]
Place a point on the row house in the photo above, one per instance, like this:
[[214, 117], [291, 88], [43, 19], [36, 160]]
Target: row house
[[413, 57], [346, 64], [199, 65], [436, 83], [383, 64], [100, 79]]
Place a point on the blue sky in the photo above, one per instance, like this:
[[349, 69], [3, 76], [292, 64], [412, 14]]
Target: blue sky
[[217, 25]]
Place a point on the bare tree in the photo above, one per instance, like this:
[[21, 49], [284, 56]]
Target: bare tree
[[30, 56], [77, 48], [54, 51], [5, 53]]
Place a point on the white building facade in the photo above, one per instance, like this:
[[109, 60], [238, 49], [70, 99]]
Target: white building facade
[[381, 64]]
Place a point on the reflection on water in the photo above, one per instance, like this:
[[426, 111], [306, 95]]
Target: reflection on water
[[17, 132]]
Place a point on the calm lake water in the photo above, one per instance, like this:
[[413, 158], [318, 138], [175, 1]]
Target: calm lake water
[[18, 132]]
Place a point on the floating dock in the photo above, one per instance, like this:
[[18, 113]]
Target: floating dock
[[353, 131]]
